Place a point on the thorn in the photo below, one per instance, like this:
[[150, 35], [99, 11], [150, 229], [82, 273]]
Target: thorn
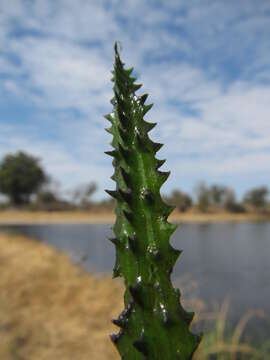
[[146, 108], [123, 134], [116, 90], [141, 141], [159, 163], [113, 101], [130, 305], [123, 119], [116, 48], [128, 215], [129, 71], [148, 196], [121, 321], [109, 130], [126, 195], [129, 308], [149, 126], [136, 293], [143, 98], [109, 117], [188, 316], [156, 146], [177, 293], [127, 311], [136, 87], [122, 106], [124, 152], [117, 322], [172, 228], [113, 193], [112, 153], [115, 337], [116, 271], [115, 241], [168, 210], [125, 175], [141, 344], [132, 241], [169, 228], [199, 337], [176, 254], [164, 175]]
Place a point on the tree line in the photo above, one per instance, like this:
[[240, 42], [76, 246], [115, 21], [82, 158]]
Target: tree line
[[218, 198], [25, 183]]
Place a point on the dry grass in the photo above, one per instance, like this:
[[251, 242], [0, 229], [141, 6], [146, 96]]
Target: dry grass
[[219, 345], [49, 308], [41, 217]]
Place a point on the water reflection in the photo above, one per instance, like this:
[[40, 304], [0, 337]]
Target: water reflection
[[224, 259]]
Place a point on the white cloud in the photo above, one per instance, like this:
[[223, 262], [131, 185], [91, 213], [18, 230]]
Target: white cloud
[[64, 75], [227, 137], [60, 59]]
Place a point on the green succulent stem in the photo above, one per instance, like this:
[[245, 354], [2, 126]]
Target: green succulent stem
[[153, 324]]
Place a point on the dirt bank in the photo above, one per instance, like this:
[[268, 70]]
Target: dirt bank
[[49, 308], [42, 217]]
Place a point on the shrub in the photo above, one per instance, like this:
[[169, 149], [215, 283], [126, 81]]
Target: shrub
[[20, 176]]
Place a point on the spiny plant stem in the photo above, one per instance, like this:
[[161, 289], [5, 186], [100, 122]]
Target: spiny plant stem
[[153, 324]]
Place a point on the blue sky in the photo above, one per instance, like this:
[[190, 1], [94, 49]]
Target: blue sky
[[205, 65]]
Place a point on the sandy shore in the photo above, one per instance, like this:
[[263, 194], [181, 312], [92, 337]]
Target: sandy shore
[[55, 217], [50, 309], [84, 217]]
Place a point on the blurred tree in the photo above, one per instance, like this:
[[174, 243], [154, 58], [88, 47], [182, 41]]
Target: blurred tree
[[20, 176], [230, 202], [83, 193], [46, 197], [257, 197], [203, 196], [224, 197], [48, 200], [217, 194], [179, 199]]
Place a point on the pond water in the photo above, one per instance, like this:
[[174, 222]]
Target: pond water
[[229, 259]]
